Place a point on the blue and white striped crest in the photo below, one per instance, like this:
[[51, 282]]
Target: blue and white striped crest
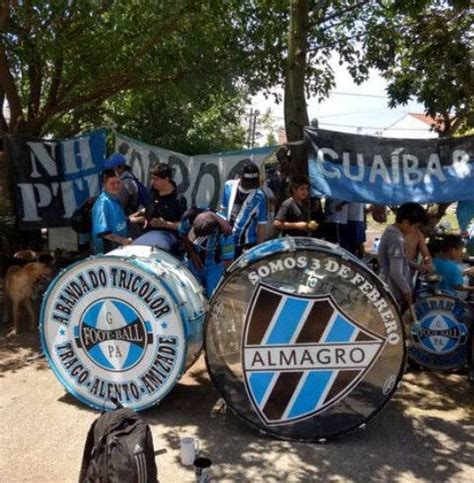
[[302, 354]]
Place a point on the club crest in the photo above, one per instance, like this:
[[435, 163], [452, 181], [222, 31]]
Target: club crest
[[439, 334], [113, 335], [302, 354]]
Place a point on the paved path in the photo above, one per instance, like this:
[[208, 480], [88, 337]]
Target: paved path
[[426, 433]]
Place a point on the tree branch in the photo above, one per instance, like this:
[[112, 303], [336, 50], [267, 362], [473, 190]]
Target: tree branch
[[4, 14], [8, 84], [3, 121], [55, 81], [122, 76], [339, 13], [35, 73]]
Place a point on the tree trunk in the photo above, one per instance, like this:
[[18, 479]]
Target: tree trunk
[[296, 114]]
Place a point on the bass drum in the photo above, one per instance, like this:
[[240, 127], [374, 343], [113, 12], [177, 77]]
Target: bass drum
[[303, 341], [126, 325], [438, 337]]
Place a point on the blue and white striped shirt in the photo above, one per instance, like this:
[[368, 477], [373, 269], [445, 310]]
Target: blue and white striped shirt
[[253, 212]]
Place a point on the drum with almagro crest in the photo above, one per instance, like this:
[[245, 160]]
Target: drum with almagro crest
[[303, 341], [123, 325]]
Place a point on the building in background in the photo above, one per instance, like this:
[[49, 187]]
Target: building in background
[[413, 125]]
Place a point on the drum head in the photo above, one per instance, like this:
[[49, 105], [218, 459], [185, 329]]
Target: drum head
[[303, 341], [110, 327], [438, 338]]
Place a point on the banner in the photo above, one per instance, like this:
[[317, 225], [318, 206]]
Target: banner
[[370, 169], [53, 177], [199, 178]]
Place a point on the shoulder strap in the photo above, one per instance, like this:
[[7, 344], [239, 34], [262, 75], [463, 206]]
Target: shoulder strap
[[86, 457]]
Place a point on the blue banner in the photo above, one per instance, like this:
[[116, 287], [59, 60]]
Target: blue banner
[[390, 171], [54, 177]]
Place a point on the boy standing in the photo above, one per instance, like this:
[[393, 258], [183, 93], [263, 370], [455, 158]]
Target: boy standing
[[293, 215], [392, 254]]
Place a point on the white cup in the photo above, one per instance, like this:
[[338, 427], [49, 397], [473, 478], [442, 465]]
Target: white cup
[[189, 449]]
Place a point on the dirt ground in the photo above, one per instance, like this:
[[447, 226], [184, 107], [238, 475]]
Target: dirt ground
[[426, 433]]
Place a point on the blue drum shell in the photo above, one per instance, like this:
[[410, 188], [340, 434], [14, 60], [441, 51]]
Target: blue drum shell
[[126, 324]]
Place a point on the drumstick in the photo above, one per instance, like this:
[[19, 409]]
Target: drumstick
[[413, 313]]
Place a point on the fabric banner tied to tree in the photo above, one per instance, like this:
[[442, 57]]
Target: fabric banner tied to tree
[[54, 177], [390, 171], [199, 178]]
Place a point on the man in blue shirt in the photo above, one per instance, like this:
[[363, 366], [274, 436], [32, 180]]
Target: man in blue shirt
[[109, 222], [244, 204], [209, 245]]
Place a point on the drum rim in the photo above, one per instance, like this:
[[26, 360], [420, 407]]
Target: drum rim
[[408, 325], [267, 430], [66, 385]]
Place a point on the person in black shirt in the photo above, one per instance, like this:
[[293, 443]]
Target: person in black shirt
[[293, 215], [163, 212]]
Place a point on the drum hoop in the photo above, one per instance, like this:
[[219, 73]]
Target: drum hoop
[[69, 387], [331, 437]]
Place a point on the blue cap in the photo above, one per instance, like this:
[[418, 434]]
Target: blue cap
[[114, 160]]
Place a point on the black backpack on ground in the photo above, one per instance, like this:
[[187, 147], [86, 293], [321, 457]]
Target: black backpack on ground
[[119, 448]]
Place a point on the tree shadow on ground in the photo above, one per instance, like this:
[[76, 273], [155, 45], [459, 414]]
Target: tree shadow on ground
[[20, 351], [424, 433], [414, 437]]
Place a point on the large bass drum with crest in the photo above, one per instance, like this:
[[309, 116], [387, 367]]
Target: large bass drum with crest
[[126, 325], [303, 341]]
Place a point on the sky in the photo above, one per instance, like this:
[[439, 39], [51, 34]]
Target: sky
[[361, 109]]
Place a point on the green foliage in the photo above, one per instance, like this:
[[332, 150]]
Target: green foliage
[[424, 50], [68, 66], [332, 26], [271, 139], [185, 121]]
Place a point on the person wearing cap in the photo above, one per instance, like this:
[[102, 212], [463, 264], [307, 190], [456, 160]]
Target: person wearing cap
[[163, 212], [244, 204], [209, 245], [128, 195], [110, 224]]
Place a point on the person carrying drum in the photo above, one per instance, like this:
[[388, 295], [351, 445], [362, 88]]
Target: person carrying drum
[[292, 217], [244, 204], [447, 265], [109, 222], [209, 245], [392, 253], [163, 212]]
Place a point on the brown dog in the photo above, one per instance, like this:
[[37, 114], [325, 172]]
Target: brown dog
[[18, 286]]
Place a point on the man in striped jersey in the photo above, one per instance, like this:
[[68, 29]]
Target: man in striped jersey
[[244, 204]]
